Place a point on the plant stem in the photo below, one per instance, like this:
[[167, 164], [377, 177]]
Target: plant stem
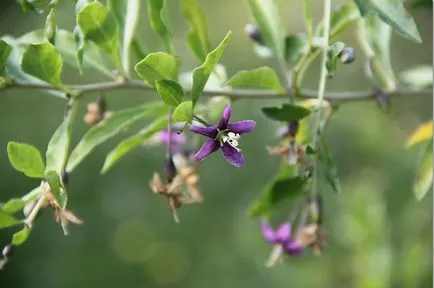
[[238, 94]]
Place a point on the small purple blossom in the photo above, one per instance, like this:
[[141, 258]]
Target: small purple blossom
[[224, 136], [282, 236], [176, 142]]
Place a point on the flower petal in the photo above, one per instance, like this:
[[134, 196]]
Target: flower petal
[[242, 127], [224, 120], [232, 155], [177, 140], [293, 247], [268, 232], [283, 233], [210, 131], [207, 148]]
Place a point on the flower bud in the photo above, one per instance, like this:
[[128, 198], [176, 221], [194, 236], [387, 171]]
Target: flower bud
[[253, 32], [65, 178], [382, 99], [170, 169], [347, 55], [293, 127], [8, 250]]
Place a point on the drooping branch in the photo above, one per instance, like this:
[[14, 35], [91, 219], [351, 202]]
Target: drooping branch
[[235, 94]]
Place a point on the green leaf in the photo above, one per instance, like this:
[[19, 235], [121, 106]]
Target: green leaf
[[184, 112], [5, 51], [424, 175], [340, 19], [266, 16], [21, 236], [44, 62], [332, 57], [295, 46], [285, 187], [58, 147], [132, 142], [419, 77], [377, 35], [202, 73], [158, 66], [423, 133], [287, 112], [99, 25], [110, 127], [427, 4], [156, 14], [327, 166], [13, 205], [259, 78], [58, 192], [393, 13], [26, 158], [170, 92], [127, 15], [7, 220], [198, 35]]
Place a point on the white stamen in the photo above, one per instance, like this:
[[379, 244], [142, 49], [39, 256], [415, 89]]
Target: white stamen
[[232, 139]]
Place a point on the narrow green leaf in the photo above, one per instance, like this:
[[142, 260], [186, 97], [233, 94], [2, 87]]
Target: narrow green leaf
[[132, 142], [287, 112], [21, 236], [26, 158], [156, 12], [5, 51], [158, 66], [267, 18], [99, 25], [327, 166], [170, 92], [393, 13], [44, 62], [259, 78], [110, 127], [58, 192], [127, 15], [13, 205], [340, 19], [198, 35], [58, 147], [295, 46], [184, 112], [7, 220], [285, 187], [419, 77], [202, 73], [424, 175]]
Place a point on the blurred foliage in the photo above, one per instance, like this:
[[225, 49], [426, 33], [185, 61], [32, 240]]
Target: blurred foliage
[[376, 231]]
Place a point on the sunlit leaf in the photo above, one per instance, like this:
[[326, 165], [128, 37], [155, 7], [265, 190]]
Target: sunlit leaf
[[307, 126], [110, 127], [156, 14], [286, 113], [424, 175], [202, 73], [393, 13], [21, 236], [285, 187], [158, 66], [198, 34], [423, 133], [58, 192], [26, 158], [420, 76], [184, 112], [170, 92], [127, 15], [5, 51], [13, 205], [7, 220], [99, 25], [327, 166], [259, 78], [267, 18], [133, 142]]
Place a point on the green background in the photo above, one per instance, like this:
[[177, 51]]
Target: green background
[[378, 235]]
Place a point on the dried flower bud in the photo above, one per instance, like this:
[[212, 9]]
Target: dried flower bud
[[8, 250], [254, 33], [93, 107], [382, 99], [347, 55]]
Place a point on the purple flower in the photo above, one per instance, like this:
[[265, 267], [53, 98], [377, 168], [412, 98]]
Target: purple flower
[[176, 141], [224, 136], [282, 236]]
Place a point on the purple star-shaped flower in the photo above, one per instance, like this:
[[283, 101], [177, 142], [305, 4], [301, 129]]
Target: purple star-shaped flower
[[224, 136], [282, 236], [176, 140]]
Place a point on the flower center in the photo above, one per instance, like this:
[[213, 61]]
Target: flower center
[[231, 138]]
